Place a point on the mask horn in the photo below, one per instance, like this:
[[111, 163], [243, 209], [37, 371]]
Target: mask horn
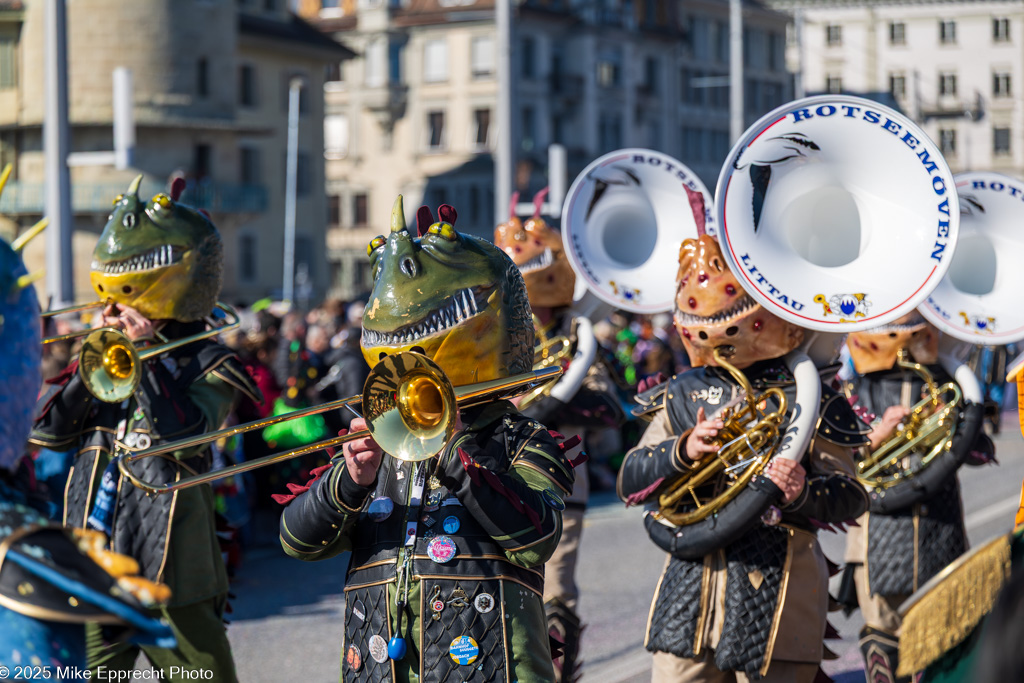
[[398, 216]]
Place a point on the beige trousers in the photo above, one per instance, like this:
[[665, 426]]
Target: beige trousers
[[671, 669], [560, 570]]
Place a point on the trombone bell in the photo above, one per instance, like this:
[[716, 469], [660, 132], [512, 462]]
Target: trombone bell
[[109, 365], [410, 406]]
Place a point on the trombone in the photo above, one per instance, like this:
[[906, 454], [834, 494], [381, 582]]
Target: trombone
[[410, 408], [109, 363]]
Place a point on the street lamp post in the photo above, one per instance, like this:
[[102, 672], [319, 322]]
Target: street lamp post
[[291, 189]]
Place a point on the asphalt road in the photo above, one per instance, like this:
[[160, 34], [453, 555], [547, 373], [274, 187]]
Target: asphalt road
[[287, 621]]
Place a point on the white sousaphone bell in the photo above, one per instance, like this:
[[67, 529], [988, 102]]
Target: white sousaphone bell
[[976, 301], [837, 214]]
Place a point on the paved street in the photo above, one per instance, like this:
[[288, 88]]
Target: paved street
[[287, 619]]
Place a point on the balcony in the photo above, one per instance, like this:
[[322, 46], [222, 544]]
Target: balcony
[[954, 108], [566, 88], [30, 198], [387, 103]]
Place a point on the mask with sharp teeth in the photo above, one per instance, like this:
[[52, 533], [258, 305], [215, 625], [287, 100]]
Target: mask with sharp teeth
[[453, 297], [713, 310], [162, 258], [876, 349], [537, 249]]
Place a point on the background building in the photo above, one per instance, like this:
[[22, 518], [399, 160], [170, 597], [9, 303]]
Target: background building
[[210, 102], [416, 113], [953, 66]]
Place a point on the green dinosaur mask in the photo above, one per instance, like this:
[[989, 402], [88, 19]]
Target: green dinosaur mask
[[455, 298], [163, 258]]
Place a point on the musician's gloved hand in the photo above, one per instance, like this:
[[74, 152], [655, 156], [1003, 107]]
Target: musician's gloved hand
[[362, 456], [700, 442], [891, 419], [789, 476], [651, 381]]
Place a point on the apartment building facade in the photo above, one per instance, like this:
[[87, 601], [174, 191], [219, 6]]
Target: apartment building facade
[[954, 66], [416, 112], [210, 95]]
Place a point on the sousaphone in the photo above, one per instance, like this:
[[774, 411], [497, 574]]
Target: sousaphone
[[622, 223], [836, 214]]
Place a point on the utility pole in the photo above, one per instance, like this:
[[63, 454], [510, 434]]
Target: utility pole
[[503, 158], [291, 187], [60, 283], [736, 126]]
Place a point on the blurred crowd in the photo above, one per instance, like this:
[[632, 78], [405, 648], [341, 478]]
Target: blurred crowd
[[306, 358]]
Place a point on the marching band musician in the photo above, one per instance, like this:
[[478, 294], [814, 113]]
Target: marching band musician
[[909, 533], [446, 576], [739, 602], [158, 264], [581, 400]]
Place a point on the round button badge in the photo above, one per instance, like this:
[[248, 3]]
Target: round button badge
[[483, 603], [354, 658], [451, 524], [441, 549], [380, 508], [464, 650], [378, 649]]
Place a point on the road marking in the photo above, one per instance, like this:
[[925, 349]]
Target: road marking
[[992, 512]]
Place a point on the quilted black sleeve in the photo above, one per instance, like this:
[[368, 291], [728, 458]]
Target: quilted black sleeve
[[316, 525], [832, 497], [520, 508], [645, 467], [61, 412]]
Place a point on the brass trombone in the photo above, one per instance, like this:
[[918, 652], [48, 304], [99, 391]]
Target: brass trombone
[[109, 363], [410, 408]]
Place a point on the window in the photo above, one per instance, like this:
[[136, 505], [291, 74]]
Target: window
[[335, 136], [528, 123], [776, 51], [722, 42], [360, 208], [947, 31], [247, 257], [1000, 30], [558, 130], [202, 77], [834, 84], [609, 131], [833, 35], [435, 130], [247, 85], [947, 84], [609, 68], [897, 33], [481, 57], [330, 4], [249, 158], [333, 73], [897, 85], [435, 61], [8, 63], [201, 159], [376, 63], [1001, 140], [395, 62], [947, 140], [482, 123], [1001, 85], [527, 63], [333, 210], [651, 75]]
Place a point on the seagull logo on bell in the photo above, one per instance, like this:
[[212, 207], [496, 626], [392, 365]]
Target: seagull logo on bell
[[763, 155]]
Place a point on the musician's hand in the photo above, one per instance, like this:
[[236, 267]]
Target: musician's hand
[[701, 440], [789, 476], [891, 419], [110, 317], [362, 456], [651, 381], [135, 325]]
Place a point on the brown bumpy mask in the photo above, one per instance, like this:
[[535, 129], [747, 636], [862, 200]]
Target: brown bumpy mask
[[876, 349], [537, 250], [713, 311]]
